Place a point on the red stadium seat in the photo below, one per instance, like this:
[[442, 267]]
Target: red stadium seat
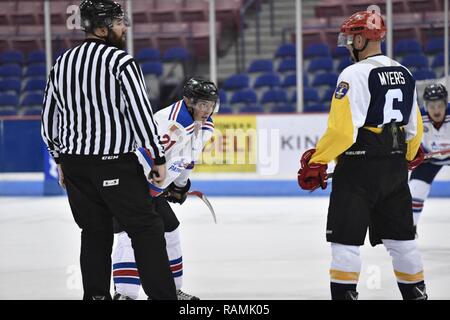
[[7, 9], [28, 12], [6, 34], [228, 12], [200, 37], [145, 35], [405, 32], [407, 18], [311, 36], [195, 10], [58, 11], [166, 11], [336, 22], [434, 17], [309, 23], [421, 5], [29, 38], [173, 35], [141, 10], [330, 9]]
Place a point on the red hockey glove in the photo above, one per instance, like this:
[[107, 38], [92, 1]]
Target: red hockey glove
[[417, 161], [313, 175]]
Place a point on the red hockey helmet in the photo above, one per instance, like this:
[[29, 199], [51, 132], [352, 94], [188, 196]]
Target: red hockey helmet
[[370, 24]]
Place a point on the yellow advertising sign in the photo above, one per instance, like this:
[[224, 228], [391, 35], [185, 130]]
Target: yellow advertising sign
[[232, 147]]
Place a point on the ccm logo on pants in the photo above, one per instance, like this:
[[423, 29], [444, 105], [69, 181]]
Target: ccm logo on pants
[[110, 183]]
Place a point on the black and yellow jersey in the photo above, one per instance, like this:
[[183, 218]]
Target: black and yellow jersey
[[369, 94]]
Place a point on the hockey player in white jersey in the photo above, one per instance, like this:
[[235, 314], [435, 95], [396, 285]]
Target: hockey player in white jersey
[[185, 126], [436, 137]]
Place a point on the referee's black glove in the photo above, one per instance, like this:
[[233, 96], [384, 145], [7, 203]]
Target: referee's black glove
[[177, 194]]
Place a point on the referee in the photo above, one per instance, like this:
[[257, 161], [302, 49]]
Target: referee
[[95, 114]]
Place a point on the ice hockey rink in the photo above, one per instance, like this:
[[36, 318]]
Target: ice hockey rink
[[261, 248]]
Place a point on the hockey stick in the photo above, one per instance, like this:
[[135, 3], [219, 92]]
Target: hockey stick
[[205, 200], [427, 156], [436, 153]]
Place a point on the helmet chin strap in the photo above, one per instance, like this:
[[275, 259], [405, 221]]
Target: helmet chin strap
[[357, 51]]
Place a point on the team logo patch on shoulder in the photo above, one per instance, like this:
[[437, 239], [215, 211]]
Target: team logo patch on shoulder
[[341, 90], [425, 129]]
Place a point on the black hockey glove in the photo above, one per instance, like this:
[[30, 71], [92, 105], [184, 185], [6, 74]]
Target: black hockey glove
[[177, 194]]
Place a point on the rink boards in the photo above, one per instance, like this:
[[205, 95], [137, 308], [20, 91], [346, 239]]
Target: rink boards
[[249, 155]]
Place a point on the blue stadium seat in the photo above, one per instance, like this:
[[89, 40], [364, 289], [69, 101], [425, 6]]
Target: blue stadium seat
[[35, 85], [407, 46], [35, 111], [37, 56], [244, 96], [8, 111], [236, 82], [9, 100], [10, 85], [328, 95], [287, 65], [260, 65], [317, 64], [274, 96], [315, 108], [329, 79], [148, 54], [424, 74], [383, 47], [340, 52], [434, 46], [286, 108], [286, 50], [10, 71], [59, 53], [36, 70], [309, 95], [344, 63], [9, 57], [267, 80], [32, 100], [176, 54], [152, 67], [438, 61], [317, 50], [418, 61], [223, 97], [291, 80], [252, 108], [225, 110]]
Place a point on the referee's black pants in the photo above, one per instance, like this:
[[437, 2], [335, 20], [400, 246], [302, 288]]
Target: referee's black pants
[[97, 191]]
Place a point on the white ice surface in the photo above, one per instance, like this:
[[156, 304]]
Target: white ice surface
[[261, 248]]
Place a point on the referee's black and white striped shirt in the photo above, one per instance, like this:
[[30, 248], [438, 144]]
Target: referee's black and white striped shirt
[[96, 104]]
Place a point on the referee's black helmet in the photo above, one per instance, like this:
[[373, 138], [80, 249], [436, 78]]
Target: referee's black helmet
[[100, 13]]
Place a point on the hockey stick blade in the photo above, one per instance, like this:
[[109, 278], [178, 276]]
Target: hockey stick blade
[[206, 201]]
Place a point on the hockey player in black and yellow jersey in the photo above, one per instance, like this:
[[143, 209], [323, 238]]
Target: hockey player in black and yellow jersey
[[374, 132]]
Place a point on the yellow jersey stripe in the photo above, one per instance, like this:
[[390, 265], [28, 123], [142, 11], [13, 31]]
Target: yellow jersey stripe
[[344, 275], [409, 277], [339, 135], [414, 143]]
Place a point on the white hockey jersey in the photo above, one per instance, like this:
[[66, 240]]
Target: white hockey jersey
[[183, 140], [436, 140], [369, 94]]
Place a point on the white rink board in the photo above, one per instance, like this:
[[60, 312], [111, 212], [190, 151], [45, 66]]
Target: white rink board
[[296, 133]]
